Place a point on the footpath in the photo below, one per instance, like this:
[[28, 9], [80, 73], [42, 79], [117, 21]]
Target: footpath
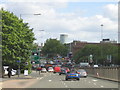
[[20, 82]]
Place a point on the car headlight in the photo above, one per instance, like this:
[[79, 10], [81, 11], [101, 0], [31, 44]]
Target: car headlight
[[76, 74]]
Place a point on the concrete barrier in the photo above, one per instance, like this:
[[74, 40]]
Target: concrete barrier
[[109, 73]]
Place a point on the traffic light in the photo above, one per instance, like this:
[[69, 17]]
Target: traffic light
[[70, 55]]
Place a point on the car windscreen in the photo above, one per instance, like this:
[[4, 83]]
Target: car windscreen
[[81, 71]]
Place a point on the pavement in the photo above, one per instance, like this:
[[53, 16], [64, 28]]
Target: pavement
[[19, 82]]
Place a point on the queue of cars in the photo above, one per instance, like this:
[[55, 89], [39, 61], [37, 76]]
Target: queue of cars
[[69, 74]]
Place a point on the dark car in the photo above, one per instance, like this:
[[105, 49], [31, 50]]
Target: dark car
[[63, 71], [82, 72], [72, 75]]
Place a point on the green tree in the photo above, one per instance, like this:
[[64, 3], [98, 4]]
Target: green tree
[[17, 40], [53, 47], [99, 53]]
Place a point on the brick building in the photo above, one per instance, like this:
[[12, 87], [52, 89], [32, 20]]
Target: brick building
[[75, 46]]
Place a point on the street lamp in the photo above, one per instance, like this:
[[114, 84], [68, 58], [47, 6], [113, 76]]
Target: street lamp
[[41, 30], [102, 31], [29, 14], [101, 41], [21, 18], [41, 37]]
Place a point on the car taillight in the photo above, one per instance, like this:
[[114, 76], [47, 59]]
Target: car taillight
[[78, 72]]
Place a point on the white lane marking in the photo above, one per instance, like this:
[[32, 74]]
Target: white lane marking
[[50, 80], [64, 83], [89, 82], [94, 80], [101, 86], [66, 86], [94, 83], [41, 78]]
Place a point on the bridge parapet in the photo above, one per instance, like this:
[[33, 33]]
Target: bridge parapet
[[109, 73]]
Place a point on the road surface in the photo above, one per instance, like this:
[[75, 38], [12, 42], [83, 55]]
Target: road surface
[[50, 80]]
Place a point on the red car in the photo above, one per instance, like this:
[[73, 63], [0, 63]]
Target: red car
[[57, 69], [39, 69]]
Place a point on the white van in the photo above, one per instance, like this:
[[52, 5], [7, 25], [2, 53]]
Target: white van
[[5, 68], [13, 72], [83, 64]]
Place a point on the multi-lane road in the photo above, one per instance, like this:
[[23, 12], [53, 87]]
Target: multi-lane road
[[51, 80]]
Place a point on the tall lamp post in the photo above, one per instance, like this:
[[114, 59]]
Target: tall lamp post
[[41, 31], [29, 14], [102, 31], [101, 41], [21, 18], [40, 52]]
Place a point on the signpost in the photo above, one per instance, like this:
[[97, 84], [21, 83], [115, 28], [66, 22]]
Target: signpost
[[36, 57], [18, 61], [91, 59]]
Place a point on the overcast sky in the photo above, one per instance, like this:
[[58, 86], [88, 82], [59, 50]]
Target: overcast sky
[[81, 20]]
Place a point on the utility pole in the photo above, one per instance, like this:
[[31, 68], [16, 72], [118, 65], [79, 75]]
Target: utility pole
[[102, 42]]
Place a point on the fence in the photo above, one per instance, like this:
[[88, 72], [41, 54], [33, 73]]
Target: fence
[[110, 73]]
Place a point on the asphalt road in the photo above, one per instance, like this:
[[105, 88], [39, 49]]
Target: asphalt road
[[50, 80]]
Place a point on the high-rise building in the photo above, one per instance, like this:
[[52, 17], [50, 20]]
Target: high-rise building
[[63, 38]]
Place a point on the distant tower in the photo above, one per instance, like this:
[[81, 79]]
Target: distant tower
[[63, 38]]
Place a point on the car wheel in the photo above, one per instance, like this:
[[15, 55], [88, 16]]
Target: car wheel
[[85, 76], [66, 79], [78, 79], [59, 73]]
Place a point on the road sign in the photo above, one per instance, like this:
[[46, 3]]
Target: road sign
[[18, 61], [36, 62]]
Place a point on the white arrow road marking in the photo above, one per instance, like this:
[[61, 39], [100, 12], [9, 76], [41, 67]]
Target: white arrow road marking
[[50, 80], [64, 83], [94, 80], [41, 78], [89, 82]]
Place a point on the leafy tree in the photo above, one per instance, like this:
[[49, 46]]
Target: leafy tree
[[17, 39], [99, 53], [53, 47]]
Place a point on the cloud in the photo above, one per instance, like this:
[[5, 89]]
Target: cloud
[[111, 11], [54, 22]]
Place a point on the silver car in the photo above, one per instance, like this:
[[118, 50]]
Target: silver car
[[82, 73]]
